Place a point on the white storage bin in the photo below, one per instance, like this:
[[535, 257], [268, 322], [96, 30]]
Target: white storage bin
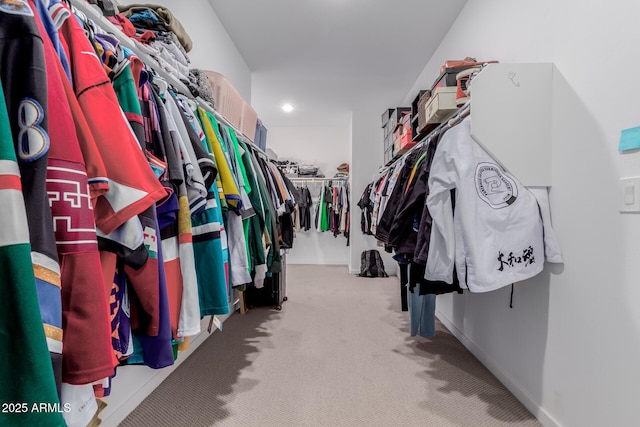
[[441, 104], [229, 103], [248, 121]]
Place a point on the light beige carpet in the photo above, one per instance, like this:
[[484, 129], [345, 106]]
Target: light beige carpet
[[338, 354]]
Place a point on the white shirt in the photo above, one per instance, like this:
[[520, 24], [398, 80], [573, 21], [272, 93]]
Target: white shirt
[[496, 236]]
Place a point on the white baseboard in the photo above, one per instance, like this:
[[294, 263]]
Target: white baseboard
[[534, 407], [312, 261], [133, 384]]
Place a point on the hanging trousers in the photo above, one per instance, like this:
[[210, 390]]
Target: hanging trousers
[[422, 313]]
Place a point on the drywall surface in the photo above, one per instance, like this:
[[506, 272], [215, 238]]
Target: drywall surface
[[326, 148], [367, 155], [568, 349], [313, 247]]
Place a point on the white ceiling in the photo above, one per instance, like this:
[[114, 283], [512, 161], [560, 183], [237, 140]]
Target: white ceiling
[[327, 57]]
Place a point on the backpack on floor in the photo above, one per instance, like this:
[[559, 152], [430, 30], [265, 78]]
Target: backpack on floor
[[371, 264]]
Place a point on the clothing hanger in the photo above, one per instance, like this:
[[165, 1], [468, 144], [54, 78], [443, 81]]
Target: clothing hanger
[[85, 21], [162, 84], [464, 111], [193, 105], [205, 104]]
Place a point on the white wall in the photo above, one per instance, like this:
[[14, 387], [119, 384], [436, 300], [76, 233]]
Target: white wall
[[569, 348], [367, 154], [327, 148], [313, 247], [213, 49]]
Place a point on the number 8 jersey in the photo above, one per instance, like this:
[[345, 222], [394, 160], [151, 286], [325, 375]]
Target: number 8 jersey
[[24, 79]]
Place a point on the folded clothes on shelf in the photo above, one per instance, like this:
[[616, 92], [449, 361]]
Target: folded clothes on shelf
[[157, 16], [308, 170], [162, 36], [203, 86]]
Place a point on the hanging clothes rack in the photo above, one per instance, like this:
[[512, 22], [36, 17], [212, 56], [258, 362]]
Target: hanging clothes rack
[[338, 182], [99, 20], [95, 15], [207, 106], [299, 179]]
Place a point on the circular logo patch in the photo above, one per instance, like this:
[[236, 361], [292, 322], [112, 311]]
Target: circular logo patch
[[494, 186]]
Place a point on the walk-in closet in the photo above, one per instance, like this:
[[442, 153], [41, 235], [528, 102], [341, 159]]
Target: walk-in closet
[[319, 213]]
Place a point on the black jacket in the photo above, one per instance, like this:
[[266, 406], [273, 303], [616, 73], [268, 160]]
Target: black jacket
[[403, 234], [393, 204], [365, 203]]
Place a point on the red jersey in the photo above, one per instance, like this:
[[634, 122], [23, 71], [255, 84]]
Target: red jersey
[[87, 354], [132, 185]]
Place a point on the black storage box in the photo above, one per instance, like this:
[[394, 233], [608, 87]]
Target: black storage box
[[397, 116], [448, 77], [386, 116], [401, 111]]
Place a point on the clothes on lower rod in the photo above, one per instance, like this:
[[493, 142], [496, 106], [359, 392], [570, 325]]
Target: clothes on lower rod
[[305, 204], [332, 210]]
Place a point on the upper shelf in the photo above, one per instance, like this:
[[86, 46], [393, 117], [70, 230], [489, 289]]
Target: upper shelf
[[96, 16], [511, 115]]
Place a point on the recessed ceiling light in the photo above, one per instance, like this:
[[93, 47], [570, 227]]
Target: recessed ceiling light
[[287, 108]]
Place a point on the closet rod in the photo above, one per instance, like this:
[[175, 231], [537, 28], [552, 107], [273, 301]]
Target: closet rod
[[317, 179], [207, 106], [226, 122], [98, 19]]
